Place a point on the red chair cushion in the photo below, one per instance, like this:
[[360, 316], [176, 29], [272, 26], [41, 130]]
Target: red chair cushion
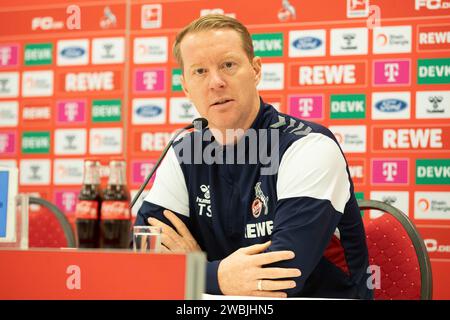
[[391, 248], [45, 230]]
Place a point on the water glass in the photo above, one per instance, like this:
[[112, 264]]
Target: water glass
[[147, 239]]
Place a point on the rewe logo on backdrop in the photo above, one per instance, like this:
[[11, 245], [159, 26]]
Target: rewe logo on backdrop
[[435, 37], [327, 74], [411, 138], [151, 141], [36, 113], [357, 169]]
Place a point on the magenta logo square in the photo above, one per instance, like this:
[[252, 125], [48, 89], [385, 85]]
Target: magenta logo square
[[141, 169], [306, 106], [390, 171], [71, 111], [66, 200], [7, 143], [392, 72], [9, 55], [149, 80]]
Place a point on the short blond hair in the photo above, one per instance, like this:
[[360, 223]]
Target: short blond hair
[[214, 22]]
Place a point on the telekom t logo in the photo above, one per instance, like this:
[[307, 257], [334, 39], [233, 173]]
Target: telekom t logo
[[390, 171], [3, 142], [305, 106], [5, 55], [150, 80], [146, 168], [71, 110], [391, 71], [68, 201]]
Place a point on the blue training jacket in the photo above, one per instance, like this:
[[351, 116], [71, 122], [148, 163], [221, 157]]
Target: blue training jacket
[[306, 205]]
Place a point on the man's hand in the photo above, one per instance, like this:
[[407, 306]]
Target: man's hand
[[241, 273], [179, 241]]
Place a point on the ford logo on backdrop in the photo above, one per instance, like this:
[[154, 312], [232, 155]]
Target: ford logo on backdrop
[[391, 105], [149, 111], [307, 43], [73, 52]]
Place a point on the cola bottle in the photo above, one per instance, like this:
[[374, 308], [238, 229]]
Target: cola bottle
[[87, 212], [115, 218]]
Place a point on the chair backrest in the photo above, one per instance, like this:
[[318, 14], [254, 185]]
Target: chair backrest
[[396, 247], [49, 228]]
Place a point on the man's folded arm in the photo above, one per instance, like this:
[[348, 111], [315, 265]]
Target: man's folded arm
[[151, 210], [313, 188]]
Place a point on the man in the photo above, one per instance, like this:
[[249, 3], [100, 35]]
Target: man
[[293, 231]]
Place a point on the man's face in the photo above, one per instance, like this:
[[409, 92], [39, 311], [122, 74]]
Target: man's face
[[219, 78]]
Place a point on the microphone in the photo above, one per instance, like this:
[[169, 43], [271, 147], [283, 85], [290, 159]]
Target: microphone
[[198, 124]]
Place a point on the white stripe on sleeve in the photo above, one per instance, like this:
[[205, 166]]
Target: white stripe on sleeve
[[169, 188], [314, 167]]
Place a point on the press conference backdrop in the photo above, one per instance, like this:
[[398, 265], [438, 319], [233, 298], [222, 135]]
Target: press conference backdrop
[[98, 79]]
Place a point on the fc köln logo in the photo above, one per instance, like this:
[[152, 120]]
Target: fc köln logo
[[260, 203]]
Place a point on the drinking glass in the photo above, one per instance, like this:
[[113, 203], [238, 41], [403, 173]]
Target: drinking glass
[[147, 239]]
